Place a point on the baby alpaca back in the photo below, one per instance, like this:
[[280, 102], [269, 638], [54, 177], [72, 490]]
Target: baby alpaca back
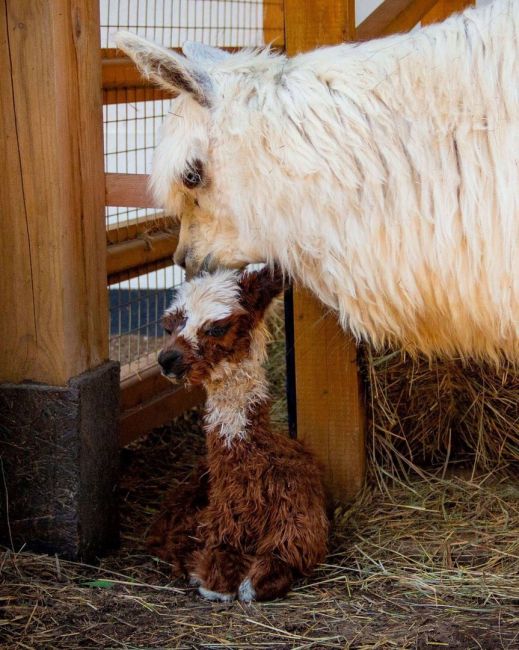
[[274, 485]]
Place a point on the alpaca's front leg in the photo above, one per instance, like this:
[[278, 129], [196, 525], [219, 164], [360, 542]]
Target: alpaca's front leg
[[267, 578], [218, 571], [174, 535]]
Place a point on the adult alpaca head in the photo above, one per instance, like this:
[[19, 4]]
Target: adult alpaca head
[[384, 183]]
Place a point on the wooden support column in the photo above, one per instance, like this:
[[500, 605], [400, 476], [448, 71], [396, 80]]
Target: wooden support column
[[443, 9], [58, 398], [330, 417]]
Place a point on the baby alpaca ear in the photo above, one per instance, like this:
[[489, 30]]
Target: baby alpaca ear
[[166, 68], [259, 288]]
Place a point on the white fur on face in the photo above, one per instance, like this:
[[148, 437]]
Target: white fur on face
[[206, 299], [234, 389]]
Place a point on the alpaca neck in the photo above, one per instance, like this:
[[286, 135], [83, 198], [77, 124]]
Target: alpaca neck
[[237, 396]]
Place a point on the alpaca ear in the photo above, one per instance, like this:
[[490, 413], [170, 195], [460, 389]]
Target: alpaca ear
[[166, 68], [200, 53], [259, 288]]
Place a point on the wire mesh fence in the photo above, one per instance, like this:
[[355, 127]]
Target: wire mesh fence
[[131, 129], [136, 307], [233, 23]]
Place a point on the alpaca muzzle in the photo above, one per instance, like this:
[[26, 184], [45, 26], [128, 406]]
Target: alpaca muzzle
[[172, 364]]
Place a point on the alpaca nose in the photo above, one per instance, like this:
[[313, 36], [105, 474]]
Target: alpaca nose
[[171, 362]]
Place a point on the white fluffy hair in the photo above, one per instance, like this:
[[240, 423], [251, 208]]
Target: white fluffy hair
[[205, 299], [384, 176]]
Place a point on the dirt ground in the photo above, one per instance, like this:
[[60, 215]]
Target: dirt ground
[[431, 564]]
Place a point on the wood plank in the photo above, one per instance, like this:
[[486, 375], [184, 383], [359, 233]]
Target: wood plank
[[136, 271], [53, 101], [140, 252], [140, 226], [128, 191], [392, 17], [18, 322], [329, 413], [330, 417], [273, 23], [310, 24], [157, 411], [443, 9], [132, 95]]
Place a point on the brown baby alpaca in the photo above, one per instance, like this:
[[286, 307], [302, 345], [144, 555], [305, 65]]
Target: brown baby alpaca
[[252, 518]]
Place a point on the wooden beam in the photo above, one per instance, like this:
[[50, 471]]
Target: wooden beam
[[136, 271], [52, 200], [310, 24], [140, 226], [154, 404], [273, 23], [330, 417], [128, 191], [140, 252], [393, 17], [443, 9], [329, 413]]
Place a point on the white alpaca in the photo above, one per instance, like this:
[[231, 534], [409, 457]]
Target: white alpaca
[[384, 175]]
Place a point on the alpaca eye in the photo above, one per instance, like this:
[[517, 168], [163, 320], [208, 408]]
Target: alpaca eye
[[193, 175], [168, 332], [217, 330]]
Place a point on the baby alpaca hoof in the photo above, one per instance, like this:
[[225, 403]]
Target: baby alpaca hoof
[[246, 592], [215, 595]]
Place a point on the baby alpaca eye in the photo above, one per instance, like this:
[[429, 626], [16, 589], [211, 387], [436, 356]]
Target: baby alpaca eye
[[217, 330], [168, 332]]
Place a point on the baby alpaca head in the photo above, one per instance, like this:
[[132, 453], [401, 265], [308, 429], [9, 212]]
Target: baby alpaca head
[[212, 320]]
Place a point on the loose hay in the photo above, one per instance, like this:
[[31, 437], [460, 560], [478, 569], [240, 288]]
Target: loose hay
[[426, 414], [424, 558], [434, 562]]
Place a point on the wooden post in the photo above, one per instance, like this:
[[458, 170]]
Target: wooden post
[[443, 9], [330, 417], [54, 322]]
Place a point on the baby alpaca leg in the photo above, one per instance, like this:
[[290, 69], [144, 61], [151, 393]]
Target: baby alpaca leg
[[268, 578], [218, 571], [173, 536]]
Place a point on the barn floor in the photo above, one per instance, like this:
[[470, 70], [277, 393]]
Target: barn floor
[[432, 564]]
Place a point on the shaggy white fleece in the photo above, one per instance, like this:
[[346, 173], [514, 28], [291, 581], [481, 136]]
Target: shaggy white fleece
[[384, 175]]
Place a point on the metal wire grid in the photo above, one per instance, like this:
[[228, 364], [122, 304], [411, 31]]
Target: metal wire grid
[[136, 307], [236, 23], [130, 133]]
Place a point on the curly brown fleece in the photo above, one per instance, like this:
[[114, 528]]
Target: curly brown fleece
[[252, 518]]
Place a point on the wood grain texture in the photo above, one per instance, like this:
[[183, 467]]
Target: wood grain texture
[[128, 191], [155, 410], [273, 23], [443, 9], [330, 417], [138, 227], [140, 252], [310, 24], [392, 17], [53, 192]]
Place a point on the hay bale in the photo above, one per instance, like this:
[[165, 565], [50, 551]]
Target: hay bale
[[426, 414]]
